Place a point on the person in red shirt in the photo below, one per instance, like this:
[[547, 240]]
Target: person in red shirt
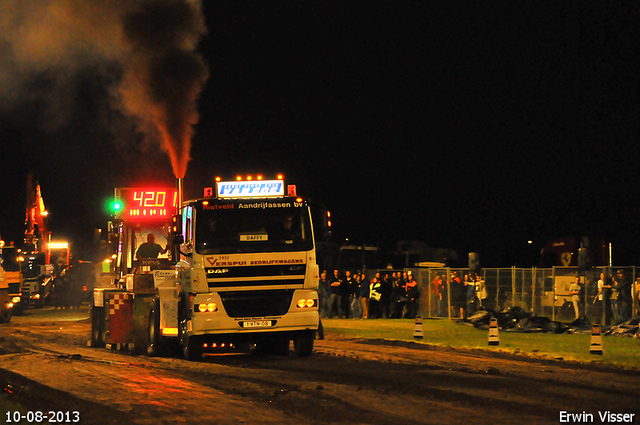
[[412, 293]]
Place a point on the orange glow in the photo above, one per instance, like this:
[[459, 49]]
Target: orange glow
[[218, 178], [280, 177], [239, 178], [259, 177]]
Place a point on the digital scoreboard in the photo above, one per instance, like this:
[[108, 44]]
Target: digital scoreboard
[[146, 204]]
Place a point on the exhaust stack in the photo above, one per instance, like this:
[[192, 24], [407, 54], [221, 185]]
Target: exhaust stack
[[180, 193]]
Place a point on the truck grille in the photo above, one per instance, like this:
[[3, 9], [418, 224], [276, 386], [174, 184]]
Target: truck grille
[[256, 303]]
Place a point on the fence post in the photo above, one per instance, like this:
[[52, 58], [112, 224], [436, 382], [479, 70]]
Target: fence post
[[513, 286], [497, 289], [533, 289], [553, 303]]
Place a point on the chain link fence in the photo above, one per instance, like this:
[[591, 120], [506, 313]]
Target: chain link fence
[[542, 291]]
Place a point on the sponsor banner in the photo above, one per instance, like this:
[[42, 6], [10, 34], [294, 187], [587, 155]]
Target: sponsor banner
[[253, 260]]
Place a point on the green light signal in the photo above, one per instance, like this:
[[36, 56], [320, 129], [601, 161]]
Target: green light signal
[[117, 206]]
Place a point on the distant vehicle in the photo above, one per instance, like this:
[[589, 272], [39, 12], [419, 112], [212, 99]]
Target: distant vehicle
[[13, 276], [359, 259], [582, 252], [37, 281], [6, 304], [411, 252]]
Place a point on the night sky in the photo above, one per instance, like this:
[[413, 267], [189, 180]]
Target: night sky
[[470, 125]]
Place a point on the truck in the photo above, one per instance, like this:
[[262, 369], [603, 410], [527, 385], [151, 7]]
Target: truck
[[10, 260], [6, 298], [240, 272], [38, 270]]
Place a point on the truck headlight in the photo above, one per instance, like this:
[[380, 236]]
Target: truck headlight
[[307, 303], [15, 300], [203, 308]]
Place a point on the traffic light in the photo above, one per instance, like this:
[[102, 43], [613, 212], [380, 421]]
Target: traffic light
[[112, 206]]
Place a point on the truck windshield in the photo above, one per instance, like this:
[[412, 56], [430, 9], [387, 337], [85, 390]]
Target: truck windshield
[[235, 230]]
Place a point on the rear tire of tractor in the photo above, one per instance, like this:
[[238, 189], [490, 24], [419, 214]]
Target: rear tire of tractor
[[303, 343], [155, 346], [97, 327], [5, 315]]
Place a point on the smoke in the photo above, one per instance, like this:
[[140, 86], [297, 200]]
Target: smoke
[[150, 46]]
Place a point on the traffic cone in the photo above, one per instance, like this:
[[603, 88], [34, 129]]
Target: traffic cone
[[494, 338], [596, 340], [418, 333]]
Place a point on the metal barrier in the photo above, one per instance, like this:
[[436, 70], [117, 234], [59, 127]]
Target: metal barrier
[[542, 291]]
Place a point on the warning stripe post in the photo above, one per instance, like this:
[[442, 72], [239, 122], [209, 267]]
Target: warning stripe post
[[418, 331], [494, 338], [596, 340]]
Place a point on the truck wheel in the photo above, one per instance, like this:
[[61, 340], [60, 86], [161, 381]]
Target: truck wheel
[[154, 344], [303, 343], [5, 315], [191, 350], [97, 326], [280, 347]]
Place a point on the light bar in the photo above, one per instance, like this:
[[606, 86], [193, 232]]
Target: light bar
[[250, 189], [58, 245]]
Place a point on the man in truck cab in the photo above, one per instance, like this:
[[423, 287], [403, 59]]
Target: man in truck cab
[[150, 249]]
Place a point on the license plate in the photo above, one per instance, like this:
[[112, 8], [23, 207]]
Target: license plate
[[257, 324]]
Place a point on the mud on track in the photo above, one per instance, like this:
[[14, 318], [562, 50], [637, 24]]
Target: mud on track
[[49, 367]]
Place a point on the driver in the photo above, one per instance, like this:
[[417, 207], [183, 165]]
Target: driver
[[150, 249]]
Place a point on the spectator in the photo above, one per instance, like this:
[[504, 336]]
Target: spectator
[[470, 294], [354, 291], [458, 295], [481, 289], [348, 294], [436, 282], [619, 297], [444, 292], [413, 294], [323, 293], [600, 300], [335, 297], [574, 291], [398, 296], [375, 295], [385, 301], [364, 295]]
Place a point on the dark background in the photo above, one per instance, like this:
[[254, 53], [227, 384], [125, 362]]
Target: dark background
[[475, 126]]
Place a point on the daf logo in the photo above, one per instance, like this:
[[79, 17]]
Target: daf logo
[[219, 271], [296, 268]]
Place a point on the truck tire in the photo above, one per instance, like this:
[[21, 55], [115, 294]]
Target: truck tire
[[280, 347], [5, 314], [269, 347], [97, 327], [303, 343], [191, 350], [155, 346]]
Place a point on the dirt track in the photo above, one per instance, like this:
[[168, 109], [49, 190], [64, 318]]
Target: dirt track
[[47, 366]]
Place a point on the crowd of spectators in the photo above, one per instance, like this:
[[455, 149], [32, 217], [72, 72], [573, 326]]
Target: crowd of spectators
[[392, 295]]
